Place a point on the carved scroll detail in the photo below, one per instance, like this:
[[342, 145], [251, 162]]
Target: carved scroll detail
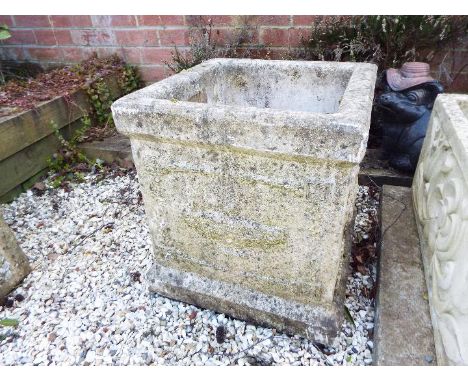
[[441, 203]]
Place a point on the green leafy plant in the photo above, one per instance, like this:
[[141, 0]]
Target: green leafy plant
[[101, 101], [9, 322], [205, 43], [388, 41], [68, 163], [129, 80], [101, 98], [4, 32]]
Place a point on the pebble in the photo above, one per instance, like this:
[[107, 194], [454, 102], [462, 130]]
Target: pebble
[[86, 301]]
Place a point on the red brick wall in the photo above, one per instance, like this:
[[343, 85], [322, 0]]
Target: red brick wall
[[147, 41]]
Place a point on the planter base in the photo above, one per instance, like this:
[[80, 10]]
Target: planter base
[[315, 322]]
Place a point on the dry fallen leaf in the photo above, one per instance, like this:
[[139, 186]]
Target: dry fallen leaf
[[193, 315]]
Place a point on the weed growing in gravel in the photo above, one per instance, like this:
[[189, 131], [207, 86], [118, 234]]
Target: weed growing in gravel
[[68, 163]]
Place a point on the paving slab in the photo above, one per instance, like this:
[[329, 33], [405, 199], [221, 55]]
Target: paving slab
[[404, 334], [112, 149], [375, 170]]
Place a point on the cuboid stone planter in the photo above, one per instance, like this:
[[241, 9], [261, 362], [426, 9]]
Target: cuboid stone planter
[[440, 195], [249, 173]]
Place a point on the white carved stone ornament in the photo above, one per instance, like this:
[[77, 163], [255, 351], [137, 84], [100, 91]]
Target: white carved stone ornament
[[440, 193]]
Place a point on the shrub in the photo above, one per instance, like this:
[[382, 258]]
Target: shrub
[[206, 43], [384, 40], [387, 41]]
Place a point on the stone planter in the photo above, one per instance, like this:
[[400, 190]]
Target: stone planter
[[440, 195], [249, 173], [14, 265]]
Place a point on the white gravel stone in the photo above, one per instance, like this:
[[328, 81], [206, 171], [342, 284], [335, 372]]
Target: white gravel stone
[[86, 301]]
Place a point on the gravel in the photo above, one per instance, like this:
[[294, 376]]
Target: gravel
[[87, 302]]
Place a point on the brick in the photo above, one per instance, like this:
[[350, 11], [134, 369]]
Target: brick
[[155, 55], [264, 53], [245, 37], [195, 20], [148, 20], [296, 36], [88, 51], [216, 20], [303, 19], [229, 36], [101, 21], [72, 54], [123, 21], [46, 54], [460, 85], [136, 37], [290, 37], [45, 37], [4, 19], [132, 55], [20, 37], [32, 21], [91, 37], [12, 53], [153, 73], [275, 37], [220, 20], [63, 37], [171, 37], [64, 21], [274, 20], [106, 51]]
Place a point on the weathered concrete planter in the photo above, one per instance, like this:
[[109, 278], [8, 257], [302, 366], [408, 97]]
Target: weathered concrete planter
[[14, 265], [27, 138], [440, 195], [249, 172]]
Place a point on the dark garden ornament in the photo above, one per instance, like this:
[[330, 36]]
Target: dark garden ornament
[[402, 112]]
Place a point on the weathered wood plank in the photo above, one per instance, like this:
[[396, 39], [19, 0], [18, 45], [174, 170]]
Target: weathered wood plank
[[13, 193], [31, 126], [24, 164], [27, 139]]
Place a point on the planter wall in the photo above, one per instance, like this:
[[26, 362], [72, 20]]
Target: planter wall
[[440, 195], [27, 139], [249, 173], [14, 265]]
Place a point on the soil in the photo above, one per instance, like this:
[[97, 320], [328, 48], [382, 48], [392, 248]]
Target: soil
[[19, 95]]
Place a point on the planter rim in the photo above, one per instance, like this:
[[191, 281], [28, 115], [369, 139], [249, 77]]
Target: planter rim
[[351, 121], [158, 94]]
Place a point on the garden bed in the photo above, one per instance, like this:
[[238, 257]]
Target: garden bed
[[29, 125]]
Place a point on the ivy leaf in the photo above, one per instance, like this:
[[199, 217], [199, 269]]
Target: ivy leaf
[[4, 32], [9, 322]]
